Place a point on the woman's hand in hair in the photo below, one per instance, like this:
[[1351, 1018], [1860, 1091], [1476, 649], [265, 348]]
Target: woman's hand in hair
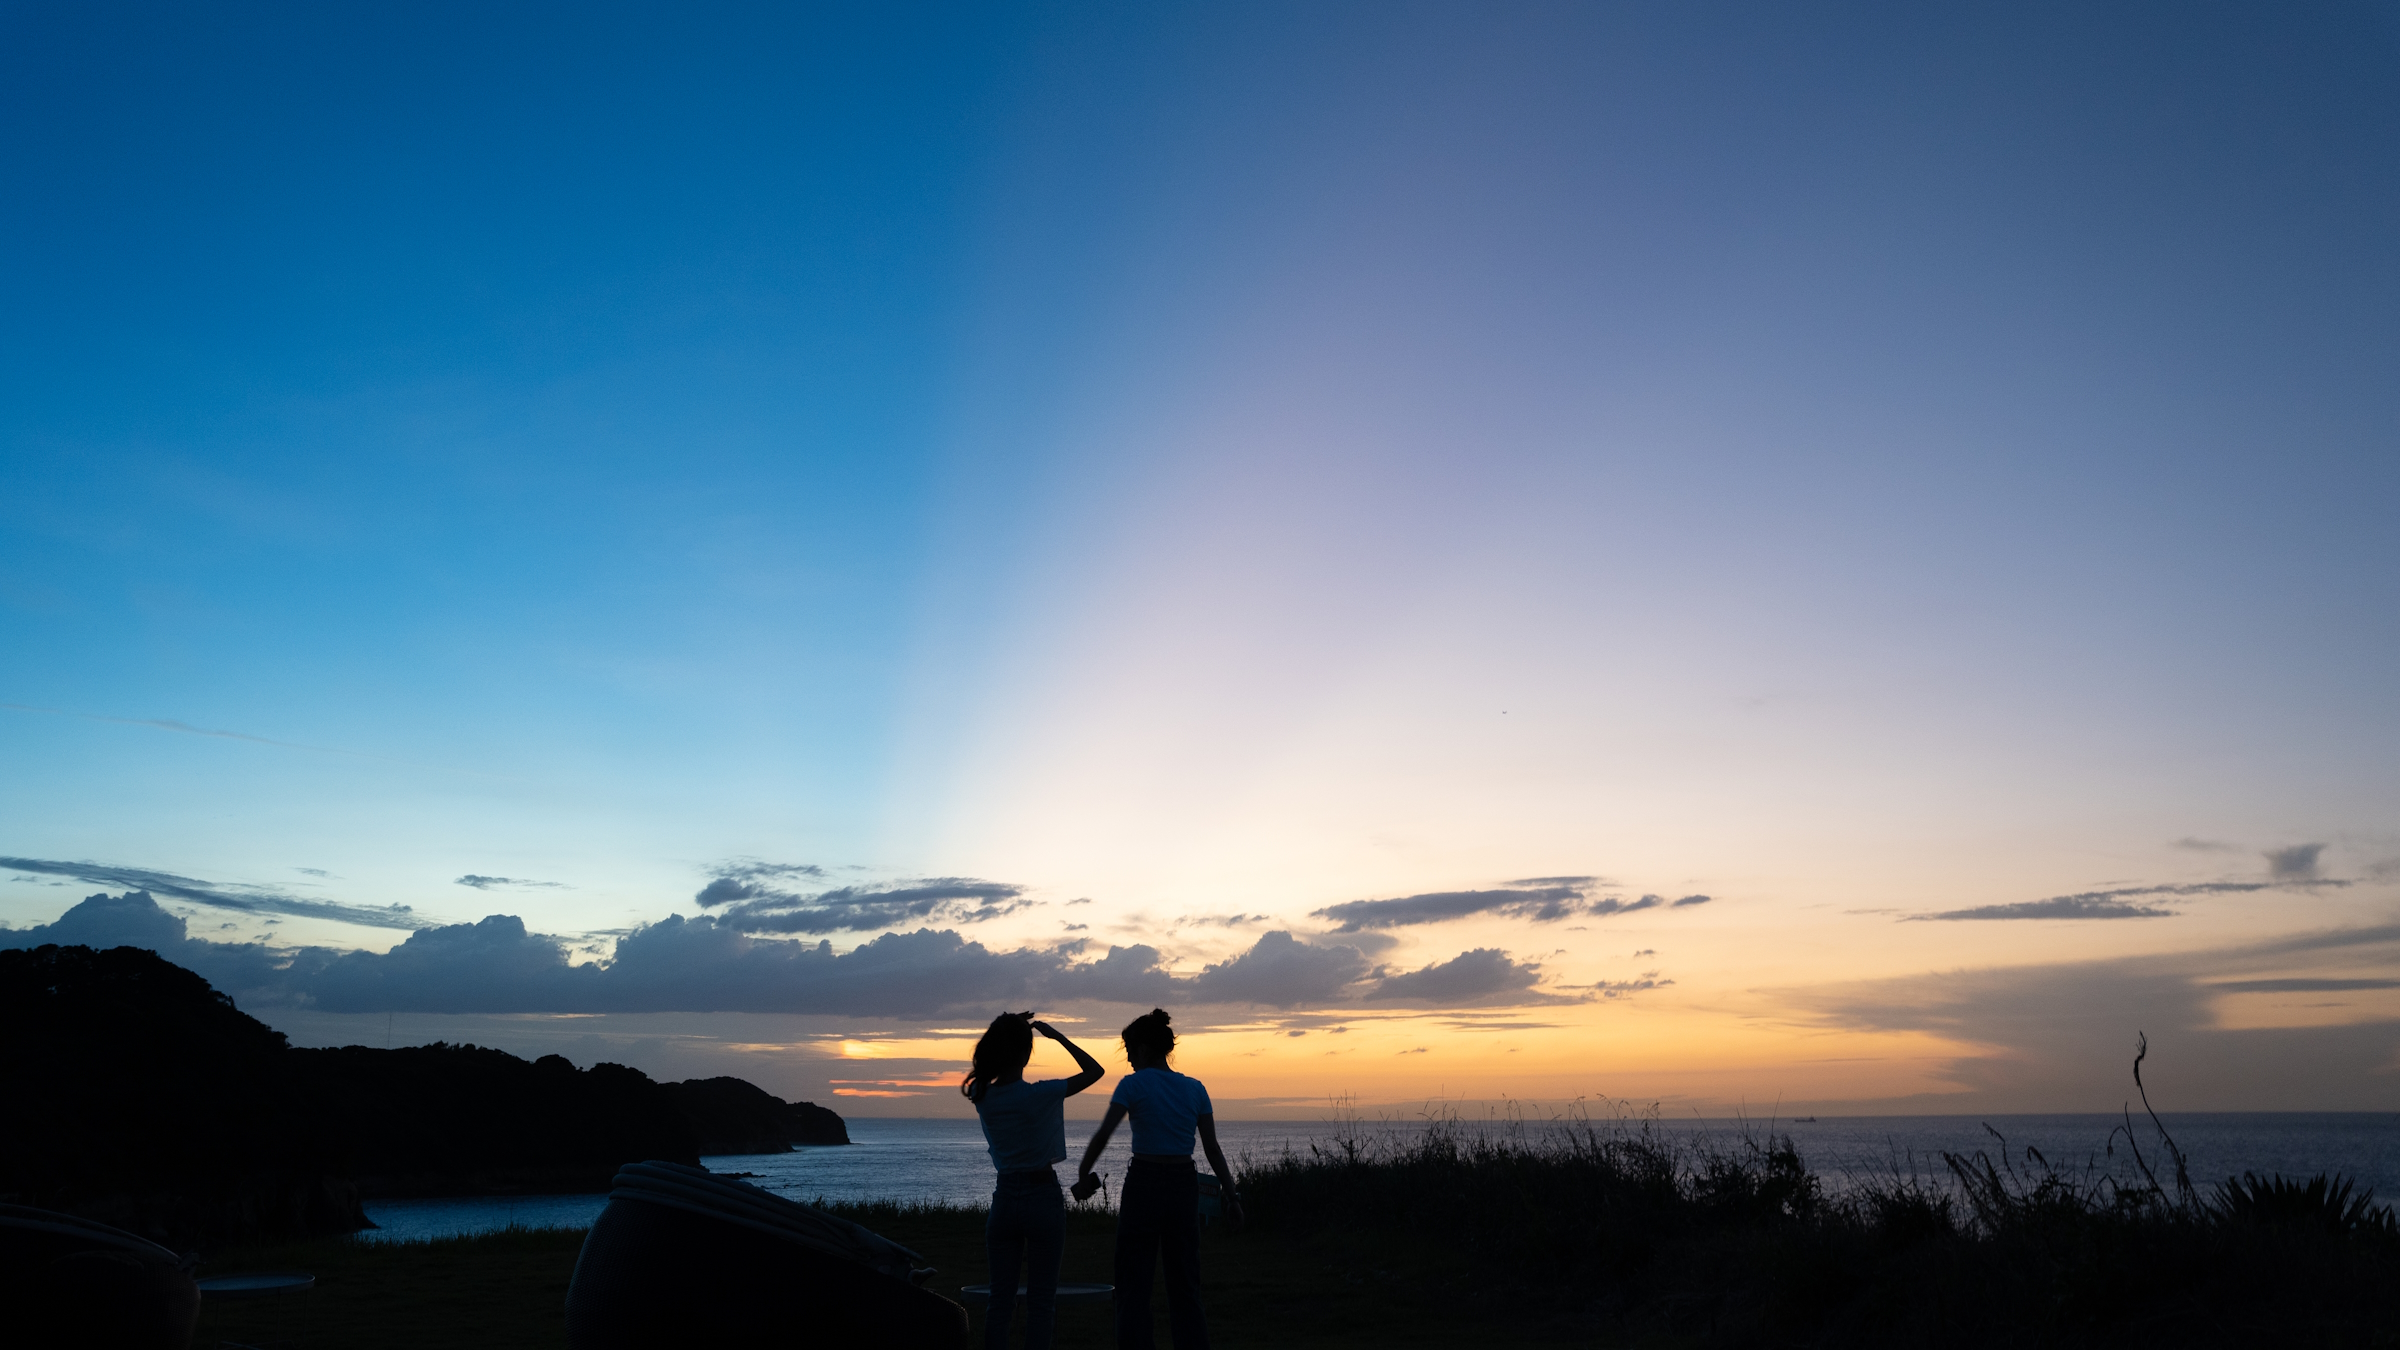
[[1087, 1069]]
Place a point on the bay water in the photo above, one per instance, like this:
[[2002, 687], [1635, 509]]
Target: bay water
[[942, 1161]]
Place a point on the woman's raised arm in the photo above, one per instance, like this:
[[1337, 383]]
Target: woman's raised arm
[[1090, 1070]]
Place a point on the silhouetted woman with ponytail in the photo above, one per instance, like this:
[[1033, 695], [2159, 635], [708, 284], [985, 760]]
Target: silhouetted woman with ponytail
[[1026, 1126], [1158, 1216]]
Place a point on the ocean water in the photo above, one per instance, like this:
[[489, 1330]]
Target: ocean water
[[943, 1161]]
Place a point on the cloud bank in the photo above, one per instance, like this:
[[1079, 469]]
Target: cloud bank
[[710, 964]]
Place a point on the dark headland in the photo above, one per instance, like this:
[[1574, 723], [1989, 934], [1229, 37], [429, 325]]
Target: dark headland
[[141, 1097]]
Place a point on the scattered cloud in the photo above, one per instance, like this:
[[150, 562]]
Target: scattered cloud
[[2298, 986], [183, 729], [2057, 907], [2191, 844], [2335, 939], [249, 899], [1538, 903], [2124, 902], [758, 901], [2296, 863], [484, 883], [1624, 988], [751, 869], [1222, 920], [1538, 899]]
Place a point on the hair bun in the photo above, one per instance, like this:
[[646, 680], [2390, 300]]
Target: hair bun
[[1161, 1014]]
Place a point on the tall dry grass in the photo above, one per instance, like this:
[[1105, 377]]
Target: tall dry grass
[[1607, 1227]]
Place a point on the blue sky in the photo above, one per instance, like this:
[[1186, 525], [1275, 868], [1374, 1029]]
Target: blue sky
[[1222, 463]]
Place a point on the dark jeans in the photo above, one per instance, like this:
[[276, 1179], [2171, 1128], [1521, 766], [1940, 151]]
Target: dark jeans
[[1159, 1216], [1028, 1227]]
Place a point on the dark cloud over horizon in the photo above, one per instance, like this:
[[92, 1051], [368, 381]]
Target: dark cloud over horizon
[[2060, 1036], [708, 964]]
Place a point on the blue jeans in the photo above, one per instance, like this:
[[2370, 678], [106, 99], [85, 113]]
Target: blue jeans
[[1159, 1218], [1028, 1229]]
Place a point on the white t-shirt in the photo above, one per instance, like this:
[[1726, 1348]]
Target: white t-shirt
[[1026, 1123], [1166, 1108]]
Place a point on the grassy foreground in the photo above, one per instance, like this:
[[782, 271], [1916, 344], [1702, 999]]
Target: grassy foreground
[[1572, 1233], [509, 1289], [1618, 1234]]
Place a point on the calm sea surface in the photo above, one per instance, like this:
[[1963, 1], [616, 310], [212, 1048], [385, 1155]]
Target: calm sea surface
[[944, 1160]]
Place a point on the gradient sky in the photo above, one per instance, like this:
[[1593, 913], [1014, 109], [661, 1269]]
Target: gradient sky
[[1918, 488]]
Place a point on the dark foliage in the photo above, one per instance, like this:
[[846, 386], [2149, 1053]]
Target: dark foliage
[[810, 1123], [461, 1119], [140, 1096], [2322, 1204], [1615, 1233]]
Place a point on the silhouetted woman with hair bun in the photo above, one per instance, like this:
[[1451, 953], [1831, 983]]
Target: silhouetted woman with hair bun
[[1026, 1126], [1159, 1214]]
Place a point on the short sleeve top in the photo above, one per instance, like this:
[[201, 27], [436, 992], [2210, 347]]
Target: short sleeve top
[[1165, 1107], [1026, 1123]]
